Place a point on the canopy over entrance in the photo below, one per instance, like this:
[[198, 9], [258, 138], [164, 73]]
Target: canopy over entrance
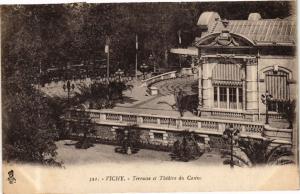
[[185, 51]]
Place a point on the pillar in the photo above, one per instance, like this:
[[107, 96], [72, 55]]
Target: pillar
[[251, 85], [206, 86], [200, 85]]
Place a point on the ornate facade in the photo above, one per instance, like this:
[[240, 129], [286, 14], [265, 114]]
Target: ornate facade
[[239, 60]]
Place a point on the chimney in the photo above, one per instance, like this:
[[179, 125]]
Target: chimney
[[254, 17], [207, 19]]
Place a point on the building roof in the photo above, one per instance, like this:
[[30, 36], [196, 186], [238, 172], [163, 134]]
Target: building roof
[[260, 31]]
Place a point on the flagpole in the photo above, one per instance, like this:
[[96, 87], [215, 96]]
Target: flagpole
[[136, 65], [107, 51], [136, 55], [179, 41], [108, 63]]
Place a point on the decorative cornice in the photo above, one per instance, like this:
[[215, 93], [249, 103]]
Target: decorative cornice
[[250, 61]]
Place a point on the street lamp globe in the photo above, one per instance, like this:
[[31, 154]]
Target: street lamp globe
[[231, 135], [144, 68], [152, 63], [266, 99]]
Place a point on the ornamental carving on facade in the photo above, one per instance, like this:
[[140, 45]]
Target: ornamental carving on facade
[[250, 61], [224, 39]]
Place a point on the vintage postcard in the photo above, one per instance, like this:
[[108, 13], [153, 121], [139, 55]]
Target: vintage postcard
[[149, 97]]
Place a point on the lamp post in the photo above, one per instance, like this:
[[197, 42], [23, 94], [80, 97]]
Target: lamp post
[[151, 59], [107, 45], [144, 68], [136, 54], [231, 135], [119, 73], [266, 98], [68, 87]]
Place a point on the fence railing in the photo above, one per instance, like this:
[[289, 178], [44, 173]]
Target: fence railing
[[164, 122], [240, 114], [157, 78], [56, 83]]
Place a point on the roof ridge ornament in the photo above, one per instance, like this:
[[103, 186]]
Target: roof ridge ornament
[[224, 39], [225, 22]]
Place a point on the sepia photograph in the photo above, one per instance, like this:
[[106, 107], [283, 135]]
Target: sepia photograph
[[149, 97]]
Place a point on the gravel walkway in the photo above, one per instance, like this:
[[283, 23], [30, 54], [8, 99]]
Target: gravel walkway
[[100, 153]]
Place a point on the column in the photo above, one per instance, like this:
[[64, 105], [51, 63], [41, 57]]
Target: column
[[218, 96], [228, 97], [200, 85], [244, 94], [207, 86], [237, 98], [251, 85]]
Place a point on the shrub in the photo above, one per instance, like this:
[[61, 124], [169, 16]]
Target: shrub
[[261, 152], [186, 147], [129, 140], [87, 127]]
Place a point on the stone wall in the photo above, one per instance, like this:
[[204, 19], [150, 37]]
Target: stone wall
[[163, 140], [151, 139], [105, 132]]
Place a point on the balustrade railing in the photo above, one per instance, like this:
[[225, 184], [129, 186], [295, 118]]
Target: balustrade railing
[[113, 117], [164, 76], [210, 125], [241, 114], [59, 83], [129, 119], [190, 123], [168, 121], [228, 114], [149, 120], [164, 122]]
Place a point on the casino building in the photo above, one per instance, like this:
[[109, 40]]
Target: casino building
[[239, 60]]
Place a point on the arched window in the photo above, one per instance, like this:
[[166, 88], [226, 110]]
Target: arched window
[[277, 85]]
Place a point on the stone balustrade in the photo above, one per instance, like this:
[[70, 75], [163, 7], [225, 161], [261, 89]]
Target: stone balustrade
[[157, 78], [160, 122], [242, 114], [87, 81], [187, 71]]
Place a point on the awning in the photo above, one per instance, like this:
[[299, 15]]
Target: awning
[[185, 51]]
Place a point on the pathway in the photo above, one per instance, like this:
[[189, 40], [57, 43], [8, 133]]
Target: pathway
[[101, 153], [138, 100], [189, 85]]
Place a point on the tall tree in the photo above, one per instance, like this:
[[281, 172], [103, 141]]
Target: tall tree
[[28, 129]]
